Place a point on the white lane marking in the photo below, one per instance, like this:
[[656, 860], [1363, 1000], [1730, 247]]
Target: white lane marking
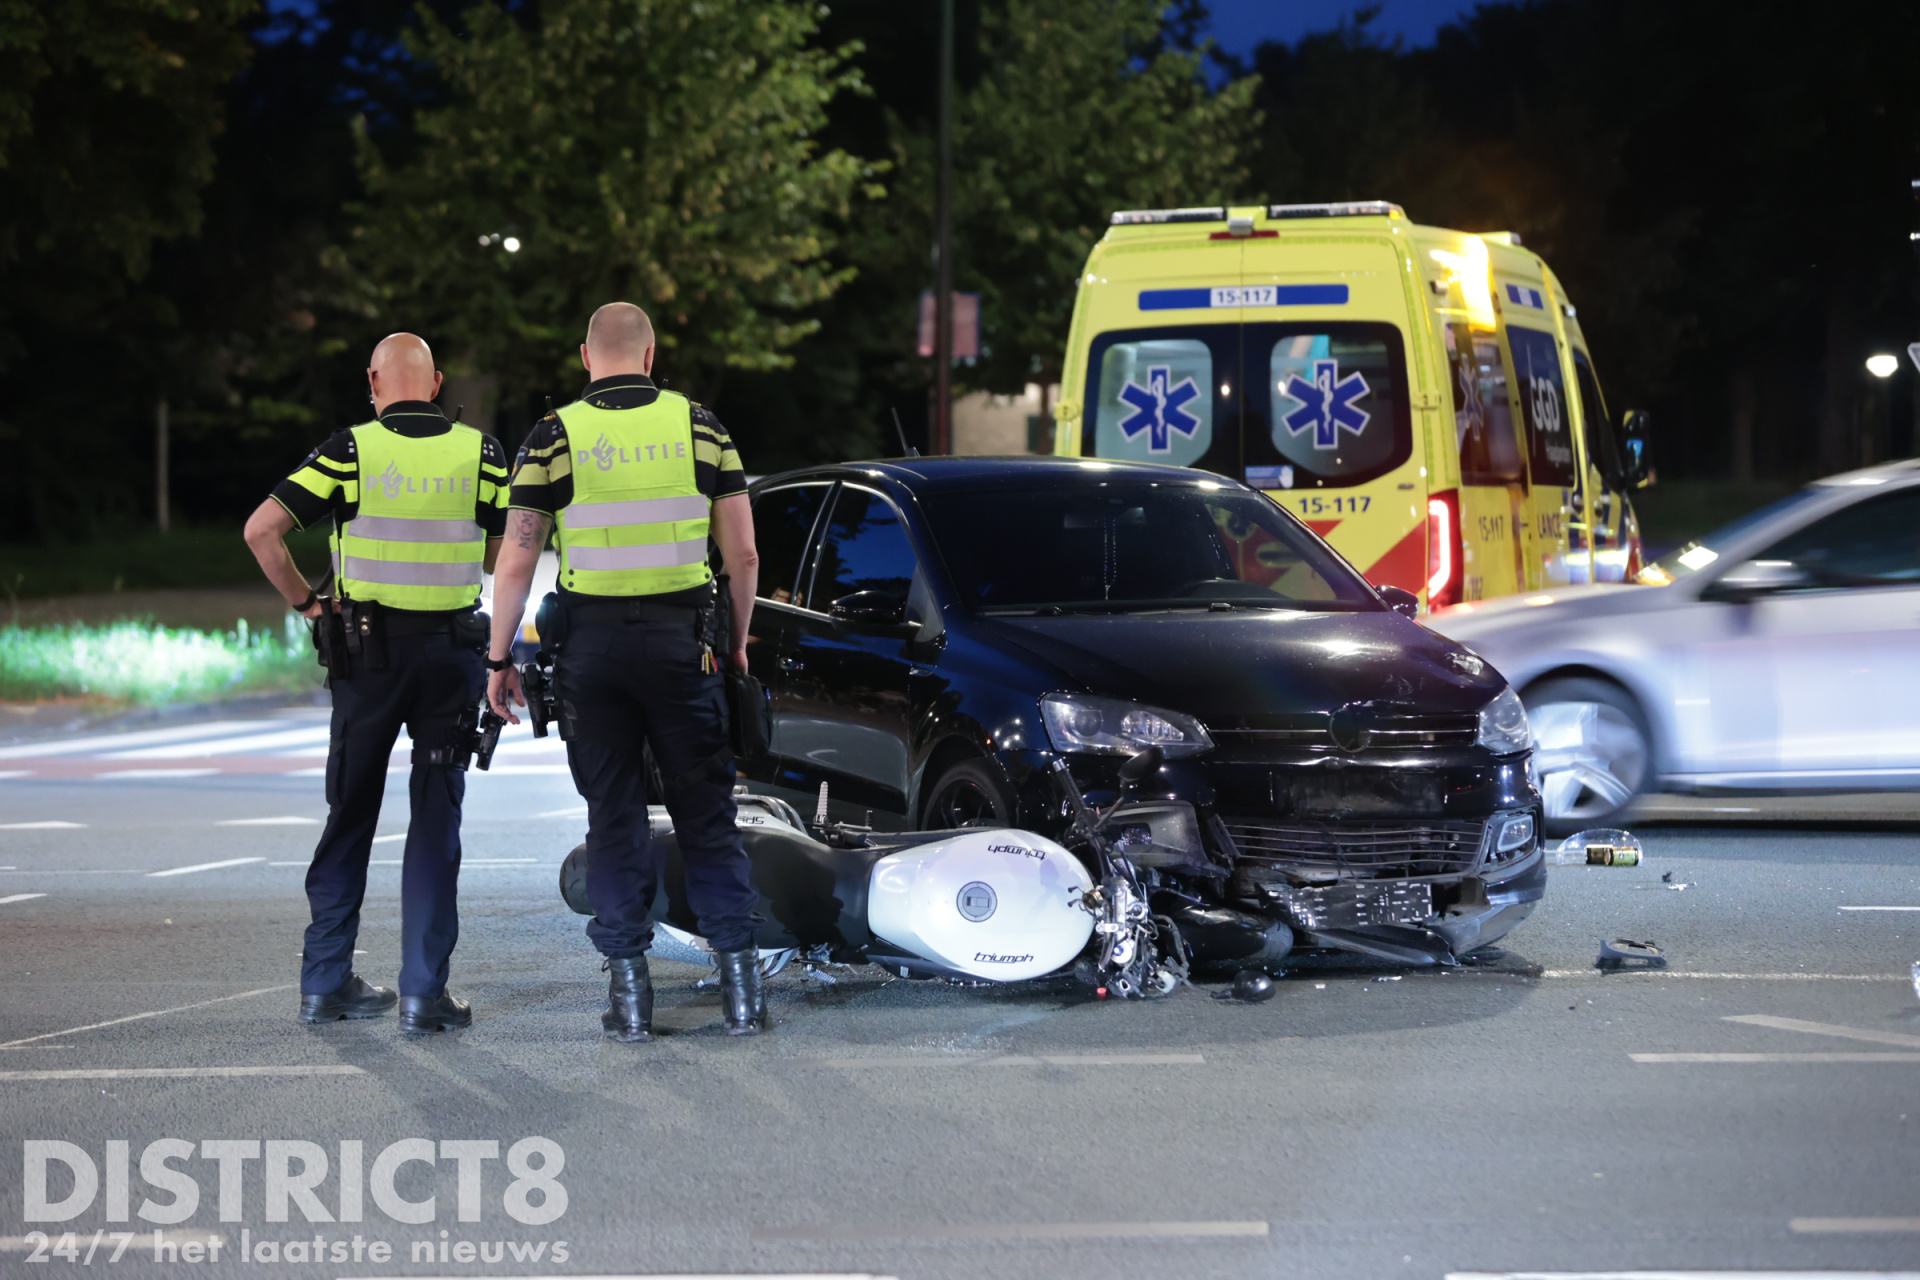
[[204, 866], [62, 871], [653, 1275], [41, 826], [108, 742], [1738, 1058], [1010, 1060], [1714, 977], [1727, 809], [16, 773], [154, 773], [290, 864], [177, 1073], [1684, 1275], [289, 821], [578, 811], [19, 897], [1019, 1231], [156, 1013], [524, 769], [321, 772], [493, 862], [226, 746], [1880, 908], [1841, 1225], [385, 839], [1825, 1029], [386, 862]]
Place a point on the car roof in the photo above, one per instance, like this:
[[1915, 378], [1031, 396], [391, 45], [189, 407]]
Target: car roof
[[931, 475], [1901, 469]]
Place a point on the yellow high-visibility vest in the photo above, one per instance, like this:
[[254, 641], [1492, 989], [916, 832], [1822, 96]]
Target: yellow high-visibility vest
[[637, 525], [413, 542]]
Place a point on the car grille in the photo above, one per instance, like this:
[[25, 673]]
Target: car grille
[[1357, 850], [1314, 730]]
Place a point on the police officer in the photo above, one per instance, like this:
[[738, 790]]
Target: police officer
[[418, 507], [636, 479]]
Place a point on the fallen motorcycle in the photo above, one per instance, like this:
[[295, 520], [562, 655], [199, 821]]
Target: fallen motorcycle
[[981, 904]]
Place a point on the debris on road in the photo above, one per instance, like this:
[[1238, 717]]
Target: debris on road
[[1624, 953], [1600, 847]]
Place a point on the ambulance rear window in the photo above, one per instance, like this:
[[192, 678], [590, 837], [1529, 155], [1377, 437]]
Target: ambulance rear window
[[1482, 418], [1543, 401]]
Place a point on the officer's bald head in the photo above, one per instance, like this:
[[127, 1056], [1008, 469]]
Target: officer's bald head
[[619, 340], [401, 369]]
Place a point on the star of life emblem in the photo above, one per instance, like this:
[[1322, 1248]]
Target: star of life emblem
[[1327, 404], [1159, 409]]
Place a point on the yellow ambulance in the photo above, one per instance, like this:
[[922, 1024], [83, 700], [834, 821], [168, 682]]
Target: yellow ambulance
[[1422, 398]]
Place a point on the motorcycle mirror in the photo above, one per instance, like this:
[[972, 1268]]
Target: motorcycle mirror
[[1142, 766]]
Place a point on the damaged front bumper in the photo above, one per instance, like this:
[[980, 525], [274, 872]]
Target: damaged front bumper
[[1483, 912]]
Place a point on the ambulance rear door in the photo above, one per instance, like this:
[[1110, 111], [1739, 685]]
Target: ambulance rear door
[[1608, 513], [1537, 381]]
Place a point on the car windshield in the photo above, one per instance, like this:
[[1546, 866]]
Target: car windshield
[[1699, 554], [1136, 546]]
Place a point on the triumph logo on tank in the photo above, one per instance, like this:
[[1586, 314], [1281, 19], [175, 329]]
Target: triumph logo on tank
[[395, 482], [131, 1202], [983, 957], [1039, 855], [605, 454]]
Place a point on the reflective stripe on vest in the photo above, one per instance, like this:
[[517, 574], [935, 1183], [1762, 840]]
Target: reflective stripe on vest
[[638, 523], [414, 542]]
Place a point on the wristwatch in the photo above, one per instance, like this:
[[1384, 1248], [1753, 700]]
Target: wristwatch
[[498, 664]]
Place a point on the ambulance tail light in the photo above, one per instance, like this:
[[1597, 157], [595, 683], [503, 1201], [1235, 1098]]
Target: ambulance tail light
[[1444, 561], [1142, 217]]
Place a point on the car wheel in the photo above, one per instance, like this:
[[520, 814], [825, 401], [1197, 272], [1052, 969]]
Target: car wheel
[[1592, 751], [968, 794]]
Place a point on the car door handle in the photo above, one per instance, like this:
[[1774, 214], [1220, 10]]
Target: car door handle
[[792, 664]]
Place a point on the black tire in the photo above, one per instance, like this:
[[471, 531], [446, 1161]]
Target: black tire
[[1593, 751], [971, 793]]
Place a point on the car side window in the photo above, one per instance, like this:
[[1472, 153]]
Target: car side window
[[783, 520], [864, 548], [1875, 543]]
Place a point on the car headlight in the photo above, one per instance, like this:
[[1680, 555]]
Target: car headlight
[[1503, 725], [1115, 727]]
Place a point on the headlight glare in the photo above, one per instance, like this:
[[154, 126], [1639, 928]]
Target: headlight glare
[[1503, 725], [1112, 726]]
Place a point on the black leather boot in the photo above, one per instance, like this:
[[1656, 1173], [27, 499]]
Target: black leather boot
[[355, 999], [629, 1015], [742, 998], [434, 1013]]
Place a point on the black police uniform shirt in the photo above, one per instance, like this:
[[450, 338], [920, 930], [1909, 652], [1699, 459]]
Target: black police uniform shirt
[[328, 482], [543, 474]]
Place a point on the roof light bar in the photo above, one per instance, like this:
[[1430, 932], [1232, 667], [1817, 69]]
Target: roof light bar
[[1348, 209], [1138, 217]]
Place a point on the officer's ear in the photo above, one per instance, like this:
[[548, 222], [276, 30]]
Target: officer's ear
[[584, 362], [438, 378], [646, 361]]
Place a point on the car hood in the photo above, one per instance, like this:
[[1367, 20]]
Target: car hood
[[1548, 609], [1223, 666]]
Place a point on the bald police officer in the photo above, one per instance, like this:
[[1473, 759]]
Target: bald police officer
[[418, 507], [636, 479]]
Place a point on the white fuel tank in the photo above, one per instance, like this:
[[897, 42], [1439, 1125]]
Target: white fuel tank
[[990, 903]]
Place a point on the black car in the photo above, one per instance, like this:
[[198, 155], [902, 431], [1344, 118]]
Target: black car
[[934, 631]]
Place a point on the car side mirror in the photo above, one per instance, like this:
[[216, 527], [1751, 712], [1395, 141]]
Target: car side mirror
[[1401, 601], [1636, 456], [1751, 579], [873, 607], [1142, 766]]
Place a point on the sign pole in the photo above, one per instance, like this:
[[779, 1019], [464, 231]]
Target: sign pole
[[943, 249]]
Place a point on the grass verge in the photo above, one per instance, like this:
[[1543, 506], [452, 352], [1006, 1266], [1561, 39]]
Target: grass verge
[[140, 664], [146, 560]]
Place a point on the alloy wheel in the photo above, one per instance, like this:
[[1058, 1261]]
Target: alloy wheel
[[1590, 758]]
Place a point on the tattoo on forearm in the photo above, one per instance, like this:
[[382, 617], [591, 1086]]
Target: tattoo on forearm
[[529, 530]]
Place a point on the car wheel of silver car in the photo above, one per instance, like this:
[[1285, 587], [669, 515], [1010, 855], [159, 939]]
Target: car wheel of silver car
[[968, 794], [1592, 751]]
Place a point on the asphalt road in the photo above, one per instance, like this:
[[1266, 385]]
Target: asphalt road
[[1363, 1123]]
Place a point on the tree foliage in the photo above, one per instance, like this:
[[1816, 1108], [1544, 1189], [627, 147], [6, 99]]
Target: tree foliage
[[660, 151]]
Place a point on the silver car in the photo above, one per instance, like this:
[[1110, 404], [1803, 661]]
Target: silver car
[[1781, 653]]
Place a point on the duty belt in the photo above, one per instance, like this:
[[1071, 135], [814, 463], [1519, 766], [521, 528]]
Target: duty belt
[[419, 622], [627, 609]]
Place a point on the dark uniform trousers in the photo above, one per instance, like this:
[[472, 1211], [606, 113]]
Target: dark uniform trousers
[[426, 686], [625, 684]]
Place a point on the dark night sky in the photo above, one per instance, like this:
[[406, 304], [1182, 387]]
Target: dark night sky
[[1239, 25]]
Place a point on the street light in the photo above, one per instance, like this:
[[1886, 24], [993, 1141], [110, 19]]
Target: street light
[[512, 245], [1883, 366]]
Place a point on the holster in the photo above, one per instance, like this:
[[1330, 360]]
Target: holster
[[716, 618], [330, 640], [366, 636], [550, 620], [472, 630]]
